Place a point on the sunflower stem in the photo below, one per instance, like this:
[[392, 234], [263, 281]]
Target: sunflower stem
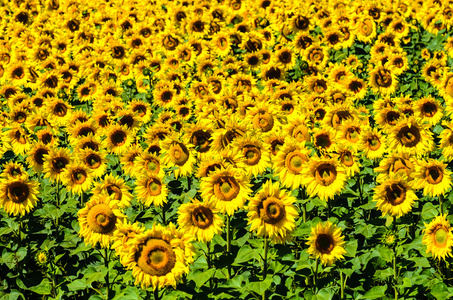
[[315, 275], [266, 246], [328, 209], [208, 259], [441, 203], [164, 219], [228, 243], [156, 293], [341, 285], [395, 275], [106, 263]]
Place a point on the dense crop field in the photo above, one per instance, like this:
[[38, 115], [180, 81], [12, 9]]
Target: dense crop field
[[235, 149]]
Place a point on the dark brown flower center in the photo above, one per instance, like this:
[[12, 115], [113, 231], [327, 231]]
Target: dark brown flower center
[[156, 257], [395, 194], [101, 218], [252, 154], [226, 188], [434, 174], [271, 210], [409, 136], [202, 217], [324, 243], [18, 191], [325, 174]]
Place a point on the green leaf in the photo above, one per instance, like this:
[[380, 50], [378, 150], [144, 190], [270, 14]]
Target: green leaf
[[429, 211], [44, 288], [78, 284], [351, 248], [440, 291], [260, 287], [376, 292], [200, 277], [245, 254]]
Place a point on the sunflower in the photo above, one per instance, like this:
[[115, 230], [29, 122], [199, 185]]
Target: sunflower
[[429, 109], [326, 243], [95, 160], [35, 156], [394, 196], [432, 176], [55, 163], [383, 80], [272, 213], [348, 159], [292, 158], [159, 256], [18, 195], [200, 220], [77, 177], [438, 237], [17, 139], [412, 137], [325, 139], [446, 140], [124, 232], [324, 177], [98, 220], [116, 188], [119, 139], [297, 127], [13, 170], [395, 163], [227, 188], [256, 156], [147, 163], [179, 154], [151, 190], [372, 143]]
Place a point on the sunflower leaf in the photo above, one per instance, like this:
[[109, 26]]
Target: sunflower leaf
[[375, 293]]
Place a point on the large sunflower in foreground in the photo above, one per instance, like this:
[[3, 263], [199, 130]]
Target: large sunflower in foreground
[[200, 220], [98, 220], [394, 196], [159, 256], [272, 213], [324, 178], [326, 243], [227, 188], [18, 195], [438, 237]]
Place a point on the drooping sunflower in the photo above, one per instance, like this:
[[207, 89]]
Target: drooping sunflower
[[292, 158], [227, 188], [323, 177], [438, 237], [272, 213], [98, 220], [159, 256], [151, 190], [200, 220], [326, 243], [432, 176], [394, 196], [18, 195]]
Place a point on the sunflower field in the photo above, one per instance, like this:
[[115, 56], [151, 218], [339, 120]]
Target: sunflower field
[[226, 149]]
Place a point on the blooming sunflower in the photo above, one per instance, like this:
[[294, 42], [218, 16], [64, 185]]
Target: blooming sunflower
[[256, 156], [151, 190], [432, 176], [323, 177], [326, 243], [200, 220], [159, 256], [383, 81], [372, 143], [119, 139], [55, 162], [446, 141], [98, 220], [412, 137], [291, 160], [394, 196], [394, 163], [227, 188], [438, 237], [116, 188], [272, 213], [178, 153], [18, 195], [77, 177], [121, 236]]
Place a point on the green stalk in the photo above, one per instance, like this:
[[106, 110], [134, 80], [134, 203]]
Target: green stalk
[[58, 202], [156, 293], [395, 275], [208, 260], [266, 246], [164, 219], [315, 277], [441, 202], [106, 263], [341, 285], [228, 243], [328, 208]]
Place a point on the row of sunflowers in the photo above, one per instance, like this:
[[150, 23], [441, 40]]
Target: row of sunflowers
[[214, 150]]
